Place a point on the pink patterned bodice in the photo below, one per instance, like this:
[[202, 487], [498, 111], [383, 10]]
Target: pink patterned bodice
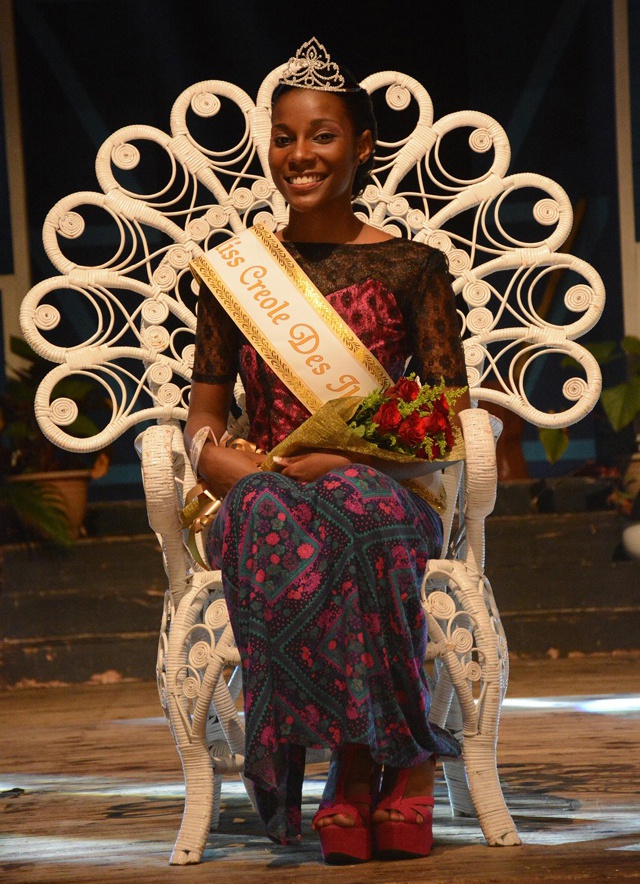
[[371, 312]]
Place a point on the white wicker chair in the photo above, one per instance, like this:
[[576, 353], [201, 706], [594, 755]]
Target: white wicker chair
[[141, 305]]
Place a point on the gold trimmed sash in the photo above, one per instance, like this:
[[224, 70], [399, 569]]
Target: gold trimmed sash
[[287, 319]]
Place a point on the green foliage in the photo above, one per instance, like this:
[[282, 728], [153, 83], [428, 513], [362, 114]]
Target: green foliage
[[555, 441], [24, 449], [39, 509], [631, 345], [621, 403]]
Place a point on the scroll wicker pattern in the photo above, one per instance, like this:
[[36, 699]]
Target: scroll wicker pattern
[[131, 315]]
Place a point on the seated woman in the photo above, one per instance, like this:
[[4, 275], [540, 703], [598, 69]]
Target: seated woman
[[322, 559]]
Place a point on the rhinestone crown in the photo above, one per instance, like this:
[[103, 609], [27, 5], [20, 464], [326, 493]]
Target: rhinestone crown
[[311, 68]]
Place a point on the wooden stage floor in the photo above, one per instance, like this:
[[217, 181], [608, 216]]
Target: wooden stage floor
[[91, 791]]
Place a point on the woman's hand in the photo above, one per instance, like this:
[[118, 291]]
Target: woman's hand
[[311, 465], [222, 467]]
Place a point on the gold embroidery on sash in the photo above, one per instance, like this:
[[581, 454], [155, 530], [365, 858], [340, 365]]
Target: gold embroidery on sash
[[321, 306], [203, 270]]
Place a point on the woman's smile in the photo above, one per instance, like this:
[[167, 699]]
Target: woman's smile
[[304, 182]]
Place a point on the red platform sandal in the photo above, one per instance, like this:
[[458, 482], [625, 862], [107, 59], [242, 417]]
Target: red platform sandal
[[408, 838], [344, 845]]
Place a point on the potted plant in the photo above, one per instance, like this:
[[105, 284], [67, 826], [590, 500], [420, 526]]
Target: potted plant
[[44, 486], [621, 404], [621, 407]]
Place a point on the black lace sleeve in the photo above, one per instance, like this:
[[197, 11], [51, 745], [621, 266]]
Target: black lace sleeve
[[437, 342], [217, 342]]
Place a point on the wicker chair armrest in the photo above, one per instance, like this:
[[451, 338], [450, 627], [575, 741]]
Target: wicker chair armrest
[[165, 467], [480, 430]]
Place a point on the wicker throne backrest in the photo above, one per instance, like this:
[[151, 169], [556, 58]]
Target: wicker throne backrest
[[131, 315]]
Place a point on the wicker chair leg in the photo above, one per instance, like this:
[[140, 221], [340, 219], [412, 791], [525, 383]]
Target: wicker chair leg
[[458, 788], [198, 806], [217, 794], [461, 628], [183, 689], [484, 786], [454, 769]]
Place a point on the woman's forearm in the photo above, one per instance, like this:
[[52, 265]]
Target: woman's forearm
[[197, 420], [209, 406]]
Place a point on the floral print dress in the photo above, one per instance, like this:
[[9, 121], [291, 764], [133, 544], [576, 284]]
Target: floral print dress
[[322, 579]]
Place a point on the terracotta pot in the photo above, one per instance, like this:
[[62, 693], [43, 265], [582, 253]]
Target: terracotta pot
[[71, 486]]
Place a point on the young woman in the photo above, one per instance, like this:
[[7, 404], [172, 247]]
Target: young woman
[[322, 560]]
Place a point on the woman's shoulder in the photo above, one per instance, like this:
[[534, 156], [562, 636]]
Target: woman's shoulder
[[413, 248], [421, 250], [410, 253], [400, 264]]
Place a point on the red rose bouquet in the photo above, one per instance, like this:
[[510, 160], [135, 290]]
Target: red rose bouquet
[[408, 419], [407, 425]]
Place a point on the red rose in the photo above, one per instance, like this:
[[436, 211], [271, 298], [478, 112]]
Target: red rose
[[387, 416], [435, 422], [405, 389], [449, 438], [412, 430], [441, 404]]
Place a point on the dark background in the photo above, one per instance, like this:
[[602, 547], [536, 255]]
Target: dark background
[[543, 69]]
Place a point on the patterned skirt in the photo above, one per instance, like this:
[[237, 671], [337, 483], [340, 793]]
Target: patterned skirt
[[323, 581]]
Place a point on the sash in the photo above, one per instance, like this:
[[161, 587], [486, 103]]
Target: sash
[[297, 332], [287, 319]]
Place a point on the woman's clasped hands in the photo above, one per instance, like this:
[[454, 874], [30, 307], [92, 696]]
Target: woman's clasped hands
[[311, 465], [223, 467]]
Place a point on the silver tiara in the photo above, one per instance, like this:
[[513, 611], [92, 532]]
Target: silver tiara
[[311, 68]]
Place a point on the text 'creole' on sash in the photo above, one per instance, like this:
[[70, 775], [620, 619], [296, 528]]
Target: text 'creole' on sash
[[303, 337]]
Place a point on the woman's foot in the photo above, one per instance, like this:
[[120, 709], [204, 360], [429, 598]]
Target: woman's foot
[[402, 821], [351, 773], [344, 818]]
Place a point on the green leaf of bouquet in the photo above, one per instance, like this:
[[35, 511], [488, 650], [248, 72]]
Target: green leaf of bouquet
[[452, 396], [554, 441], [622, 403]]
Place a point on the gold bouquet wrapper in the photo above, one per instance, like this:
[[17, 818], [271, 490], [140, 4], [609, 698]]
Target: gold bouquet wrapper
[[329, 428]]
